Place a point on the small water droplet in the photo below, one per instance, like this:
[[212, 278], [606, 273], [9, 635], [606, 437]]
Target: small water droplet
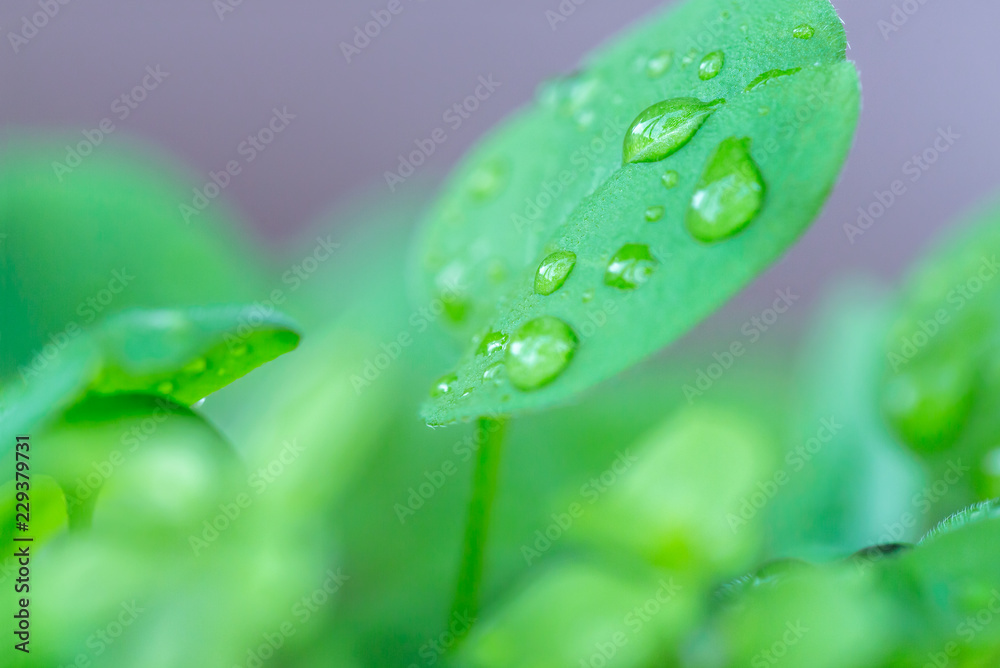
[[711, 65], [768, 76], [670, 179], [804, 31], [467, 393], [493, 371], [630, 267], [539, 352], [729, 195], [654, 213], [664, 128], [166, 387], [553, 272], [588, 296], [238, 349], [659, 63], [763, 111], [492, 343], [689, 57], [444, 385], [488, 180], [196, 366]]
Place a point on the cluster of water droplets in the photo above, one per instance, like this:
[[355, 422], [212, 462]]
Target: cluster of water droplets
[[727, 198]]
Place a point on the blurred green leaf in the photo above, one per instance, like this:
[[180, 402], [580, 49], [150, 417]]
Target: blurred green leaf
[[626, 230]]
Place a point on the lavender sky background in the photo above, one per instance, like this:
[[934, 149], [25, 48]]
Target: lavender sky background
[[937, 71]]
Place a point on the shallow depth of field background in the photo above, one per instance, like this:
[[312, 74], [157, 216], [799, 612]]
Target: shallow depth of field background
[[336, 512]]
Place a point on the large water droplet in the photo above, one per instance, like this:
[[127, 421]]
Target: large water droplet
[[630, 267], [492, 342], [659, 63], [729, 195], [769, 76], [804, 31], [444, 385], [664, 128], [670, 179], [711, 65], [654, 213], [553, 272], [539, 352]]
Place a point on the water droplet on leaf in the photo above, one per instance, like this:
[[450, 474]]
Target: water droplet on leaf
[[196, 366], [654, 213], [729, 195], [659, 63], [487, 180], [630, 267], [664, 128], [444, 385], [492, 343], [553, 272], [804, 31], [670, 179], [588, 296], [711, 65], [493, 371], [768, 76], [539, 352]]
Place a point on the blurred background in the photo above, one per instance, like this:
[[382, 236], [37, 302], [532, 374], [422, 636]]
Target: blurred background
[[347, 553]]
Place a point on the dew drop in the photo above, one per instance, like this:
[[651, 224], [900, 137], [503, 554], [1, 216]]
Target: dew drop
[[444, 385], [654, 213], [553, 272], [768, 76], [488, 180], [804, 31], [539, 352], [670, 179], [166, 387], [729, 195], [588, 296], [238, 349], [711, 65], [664, 128], [659, 63], [630, 267], [763, 111], [492, 343], [689, 57]]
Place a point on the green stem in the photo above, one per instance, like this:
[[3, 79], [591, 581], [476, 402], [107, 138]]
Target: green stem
[[465, 607]]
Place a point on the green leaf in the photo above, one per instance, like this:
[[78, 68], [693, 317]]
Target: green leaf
[[942, 372], [105, 236], [186, 354], [651, 260]]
